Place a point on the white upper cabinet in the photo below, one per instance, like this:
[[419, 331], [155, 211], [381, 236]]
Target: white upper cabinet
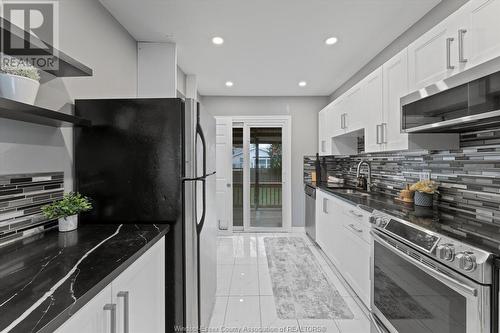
[[371, 110], [323, 144], [466, 38], [434, 56], [479, 32], [395, 74], [353, 114], [335, 116]]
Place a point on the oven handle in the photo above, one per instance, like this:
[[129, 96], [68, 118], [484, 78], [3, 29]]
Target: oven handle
[[435, 274]]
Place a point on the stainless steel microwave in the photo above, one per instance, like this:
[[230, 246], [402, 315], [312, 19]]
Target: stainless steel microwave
[[458, 104]]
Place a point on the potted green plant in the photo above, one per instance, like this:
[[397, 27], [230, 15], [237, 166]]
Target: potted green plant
[[19, 81], [66, 210], [424, 192]]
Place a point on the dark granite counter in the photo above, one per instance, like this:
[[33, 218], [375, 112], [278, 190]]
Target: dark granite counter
[[445, 221], [46, 278]]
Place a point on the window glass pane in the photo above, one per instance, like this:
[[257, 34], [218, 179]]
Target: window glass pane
[[238, 177], [266, 177]]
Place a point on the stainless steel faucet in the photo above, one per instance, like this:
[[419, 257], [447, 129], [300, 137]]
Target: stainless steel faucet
[[369, 180]]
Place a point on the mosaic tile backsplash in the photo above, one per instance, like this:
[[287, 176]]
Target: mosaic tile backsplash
[[469, 177], [21, 199]]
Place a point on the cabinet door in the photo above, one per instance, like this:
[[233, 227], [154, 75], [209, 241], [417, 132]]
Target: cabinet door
[[328, 226], [320, 219], [428, 56], [356, 269], [323, 142], [372, 97], [335, 122], [395, 86], [354, 115], [139, 293], [92, 317], [481, 40]]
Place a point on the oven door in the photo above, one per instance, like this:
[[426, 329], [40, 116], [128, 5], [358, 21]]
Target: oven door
[[413, 293]]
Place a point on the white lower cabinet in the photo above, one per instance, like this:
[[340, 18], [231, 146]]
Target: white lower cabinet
[[138, 294], [356, 251], [328, 225], [343, 233], [133, 303], [92, 317]]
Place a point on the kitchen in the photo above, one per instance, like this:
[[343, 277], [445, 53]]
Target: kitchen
[[194, 166]]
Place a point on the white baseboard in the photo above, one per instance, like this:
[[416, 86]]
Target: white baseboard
[[299, 230]]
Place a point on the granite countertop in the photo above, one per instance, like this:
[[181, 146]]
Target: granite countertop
[[438, 219], [46, 278]]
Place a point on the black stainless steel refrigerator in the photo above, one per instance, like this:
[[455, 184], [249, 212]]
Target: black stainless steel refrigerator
[[153, 161]]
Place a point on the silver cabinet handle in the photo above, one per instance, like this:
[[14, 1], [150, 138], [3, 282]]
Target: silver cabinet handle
[[461, 57], [345, 120], [325, 205], [112, 310], [384, 132], [378, 134], [448, 53], [126, 310], [342, 120], [353, 227], [356, 214]]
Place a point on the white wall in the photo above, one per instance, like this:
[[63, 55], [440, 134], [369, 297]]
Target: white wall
[[304, 113], [91, 35]]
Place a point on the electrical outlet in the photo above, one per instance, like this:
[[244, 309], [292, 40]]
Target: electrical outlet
[[425, 175]]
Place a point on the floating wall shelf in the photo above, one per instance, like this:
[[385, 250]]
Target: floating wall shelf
[[33, 114]]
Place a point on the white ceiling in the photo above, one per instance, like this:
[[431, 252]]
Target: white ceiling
[[270, 45]]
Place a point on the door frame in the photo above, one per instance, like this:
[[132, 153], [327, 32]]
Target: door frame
[[285, 123]]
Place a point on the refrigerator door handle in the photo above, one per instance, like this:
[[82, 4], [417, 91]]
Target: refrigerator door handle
[[199, 131]]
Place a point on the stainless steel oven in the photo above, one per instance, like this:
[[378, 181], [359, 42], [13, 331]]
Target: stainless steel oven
[[414, 290]]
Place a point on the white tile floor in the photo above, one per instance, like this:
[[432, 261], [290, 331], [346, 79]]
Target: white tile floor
[[245, 296]]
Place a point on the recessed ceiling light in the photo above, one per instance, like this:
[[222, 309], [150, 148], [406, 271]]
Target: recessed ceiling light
[[229, 84], [218, 40], [302, 83], [331, 40]]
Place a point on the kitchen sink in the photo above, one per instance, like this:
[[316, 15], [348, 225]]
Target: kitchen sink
[[355, 192]]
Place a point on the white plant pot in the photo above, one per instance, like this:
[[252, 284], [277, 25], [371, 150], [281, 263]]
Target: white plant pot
[[18, 88], [69, 223]]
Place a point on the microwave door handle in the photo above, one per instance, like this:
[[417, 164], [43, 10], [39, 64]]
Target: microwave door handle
[[443, 278]]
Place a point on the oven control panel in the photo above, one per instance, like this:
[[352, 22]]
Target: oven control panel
[[464, 258]]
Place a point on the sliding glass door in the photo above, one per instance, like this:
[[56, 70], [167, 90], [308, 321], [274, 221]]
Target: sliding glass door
[[258, 173]]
